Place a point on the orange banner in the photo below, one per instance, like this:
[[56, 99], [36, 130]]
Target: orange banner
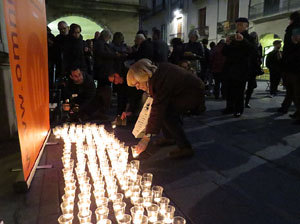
[[27, 40]]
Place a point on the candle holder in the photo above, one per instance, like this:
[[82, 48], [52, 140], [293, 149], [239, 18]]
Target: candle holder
[[179, 220], [124, 219], [101, 212], [152, 212], [68, 198], [119, 198], [84, 206], [134, 152], [157, 193], [67, 207], [84, 196], [163, 204], [135, 164], [119, 209], [70, 190], [104, 221], [169, 214], [102, 201], [63, 219], [137, 213], [84, 216], [147, 177]]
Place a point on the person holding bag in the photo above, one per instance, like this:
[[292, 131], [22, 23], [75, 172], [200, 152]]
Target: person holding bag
[[175, 91]]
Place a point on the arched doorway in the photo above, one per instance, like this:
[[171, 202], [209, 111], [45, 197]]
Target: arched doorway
[[88, 27]]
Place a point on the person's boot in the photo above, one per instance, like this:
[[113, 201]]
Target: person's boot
[[181, 153], [282, 110], [247, 100]]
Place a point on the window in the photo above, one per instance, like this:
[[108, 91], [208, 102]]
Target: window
[[202, 18], [271, 7], [232, 10]]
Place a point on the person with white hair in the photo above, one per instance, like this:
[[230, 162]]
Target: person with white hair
[[175, 91]]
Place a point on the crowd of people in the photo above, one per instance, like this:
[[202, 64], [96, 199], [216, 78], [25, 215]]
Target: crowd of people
[[88, 72]]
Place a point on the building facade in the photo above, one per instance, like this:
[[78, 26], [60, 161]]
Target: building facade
[[213, 18]]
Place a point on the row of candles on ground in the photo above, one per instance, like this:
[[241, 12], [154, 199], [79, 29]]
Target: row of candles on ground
[[106, 159]]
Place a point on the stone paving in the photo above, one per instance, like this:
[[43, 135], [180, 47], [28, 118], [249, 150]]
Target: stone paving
[[245, 170]]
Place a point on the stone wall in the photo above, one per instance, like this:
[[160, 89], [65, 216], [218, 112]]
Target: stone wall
[[122, 17]]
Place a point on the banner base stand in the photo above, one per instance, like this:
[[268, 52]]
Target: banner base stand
[[52, 143], [44, 167], [20, 185]]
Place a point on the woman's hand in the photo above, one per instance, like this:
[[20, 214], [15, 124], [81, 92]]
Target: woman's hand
[[125, 114], [142, 145]]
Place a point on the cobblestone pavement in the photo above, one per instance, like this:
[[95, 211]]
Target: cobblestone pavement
[[245, 170]]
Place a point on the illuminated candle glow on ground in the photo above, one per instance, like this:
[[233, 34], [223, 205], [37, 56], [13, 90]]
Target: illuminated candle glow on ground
[[100, 172]]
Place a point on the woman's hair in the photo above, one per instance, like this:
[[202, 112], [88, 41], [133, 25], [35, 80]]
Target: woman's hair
[[140, 71], [194, 32], [118, 37], [105, 34]]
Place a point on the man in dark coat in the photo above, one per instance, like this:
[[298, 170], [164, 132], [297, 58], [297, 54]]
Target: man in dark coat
[[160, 48], [81, 91], [273, 62], [293, 78], [237, 52], [174, 91], [73, 50], [104, 59], [286, 57], [59, 43]]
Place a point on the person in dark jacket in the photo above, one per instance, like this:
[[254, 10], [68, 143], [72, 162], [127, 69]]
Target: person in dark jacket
[[273, 62], [104, 58], [255, 66], [51, 57], [193, 51], [73, 49], [160, 48], [174, 91], [59, 43], [118, 46], [128, 98], [177, 52], [293, 78], [81, 89], [217, 60], [89, 58], [237, 52], [286, 57]]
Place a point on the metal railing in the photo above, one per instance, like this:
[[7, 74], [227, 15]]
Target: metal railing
[[261, 10]]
